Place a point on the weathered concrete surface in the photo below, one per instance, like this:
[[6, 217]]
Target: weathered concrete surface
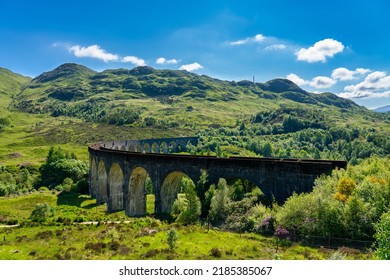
[[124, 186]]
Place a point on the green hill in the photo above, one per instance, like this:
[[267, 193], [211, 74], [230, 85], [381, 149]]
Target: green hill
[[166, 96], [11, 83], [74, 106]]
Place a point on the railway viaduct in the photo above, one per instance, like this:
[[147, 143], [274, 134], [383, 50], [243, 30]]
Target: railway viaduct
[[118, 172]]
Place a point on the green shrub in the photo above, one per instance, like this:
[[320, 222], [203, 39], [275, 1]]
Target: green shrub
[[216, 253], [60, 166], [219, 210], [41, 212], [172, 237], [187, 208], [43, 189]]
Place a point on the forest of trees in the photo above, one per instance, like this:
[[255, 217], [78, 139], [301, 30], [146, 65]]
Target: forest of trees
[[61, 171], [350, 144]]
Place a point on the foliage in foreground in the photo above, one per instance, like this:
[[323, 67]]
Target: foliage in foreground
[[345, 206], [349, 203], [59, 166]]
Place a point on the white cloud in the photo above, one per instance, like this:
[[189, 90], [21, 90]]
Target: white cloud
[[257, 38], [239, 42], [376, 84], [276, 47], [317, 82], [343, 74], [297, 80], [320, 51], [367, 94], [374, 81], [93, 51], [163, 60], [134, 60], [322, 82], [362, 71], [191, 67]]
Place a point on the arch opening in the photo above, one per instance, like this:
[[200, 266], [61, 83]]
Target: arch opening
[[164, 148], [155, 148], [146, 148], [172, 147], [131, 148], [173, 188], [179, 148], [240, 188]]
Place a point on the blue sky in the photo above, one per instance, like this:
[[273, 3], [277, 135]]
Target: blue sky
[[336, 46]]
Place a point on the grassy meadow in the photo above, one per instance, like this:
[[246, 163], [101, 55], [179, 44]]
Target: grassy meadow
[[70, 234]]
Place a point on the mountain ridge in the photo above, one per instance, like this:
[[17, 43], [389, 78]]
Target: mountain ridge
[[72, 81]]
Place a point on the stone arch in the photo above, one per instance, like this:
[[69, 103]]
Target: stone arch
[[164, 148], [136, 197], [138, 148], [102, 183], [115, 183], [131, 148], [146, 148], [123, 148], [170, 190], [155, 148]]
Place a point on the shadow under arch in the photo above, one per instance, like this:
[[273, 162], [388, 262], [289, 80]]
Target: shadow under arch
[[136, 195], [170, 189]]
